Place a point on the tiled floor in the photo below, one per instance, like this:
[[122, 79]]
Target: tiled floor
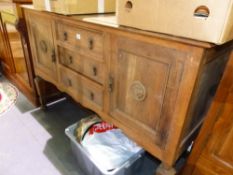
[[32, 141]]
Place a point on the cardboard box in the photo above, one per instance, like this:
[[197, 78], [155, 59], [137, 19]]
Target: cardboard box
[[205, 20], [76, 6]]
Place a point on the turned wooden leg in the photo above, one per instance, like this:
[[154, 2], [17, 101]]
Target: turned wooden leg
[[40, 91], [163, 169]]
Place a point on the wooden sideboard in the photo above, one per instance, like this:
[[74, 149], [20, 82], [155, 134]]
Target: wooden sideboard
[[155, 87]]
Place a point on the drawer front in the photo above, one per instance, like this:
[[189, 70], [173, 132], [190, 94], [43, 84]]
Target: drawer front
[[89, 67], [84, 41], [85, 91]]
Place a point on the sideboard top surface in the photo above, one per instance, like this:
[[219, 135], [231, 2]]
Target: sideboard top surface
[[110, 21]]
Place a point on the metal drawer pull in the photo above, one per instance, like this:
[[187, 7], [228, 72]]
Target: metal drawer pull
[[65, 36], [110, 84], [94, 69], [53, 56], [92, 95], [70, 60], [90, 43], [43, 46], [69, 82]]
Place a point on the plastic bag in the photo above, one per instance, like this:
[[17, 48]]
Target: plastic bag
[[108, 146], [84, 125]]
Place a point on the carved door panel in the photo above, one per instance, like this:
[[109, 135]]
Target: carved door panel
[[144, 83], [43, 50]]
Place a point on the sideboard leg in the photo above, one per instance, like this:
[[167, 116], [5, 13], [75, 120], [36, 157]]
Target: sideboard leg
[[38, 82], [163, 169], [47, 92]]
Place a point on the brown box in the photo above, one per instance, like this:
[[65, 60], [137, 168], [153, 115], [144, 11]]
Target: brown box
[[205, 20], [76, 6]]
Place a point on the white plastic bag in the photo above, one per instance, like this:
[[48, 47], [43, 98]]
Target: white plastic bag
[[108, 146]]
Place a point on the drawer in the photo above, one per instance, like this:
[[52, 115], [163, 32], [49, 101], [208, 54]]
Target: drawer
[[91, 68], [82, 89], [86, 42]]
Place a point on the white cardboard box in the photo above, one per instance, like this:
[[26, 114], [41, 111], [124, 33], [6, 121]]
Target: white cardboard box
[[76, 6], [205, 20]]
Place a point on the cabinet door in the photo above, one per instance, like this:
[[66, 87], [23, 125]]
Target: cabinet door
[[43, 50], [144, 83]]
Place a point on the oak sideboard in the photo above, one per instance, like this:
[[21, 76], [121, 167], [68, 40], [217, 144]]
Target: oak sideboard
[[155, 87]]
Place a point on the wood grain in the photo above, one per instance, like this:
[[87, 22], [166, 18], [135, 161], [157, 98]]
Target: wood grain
[[151, 85], [41, 40], [212, 152], [88, 42], [81, 88], [89, 67]]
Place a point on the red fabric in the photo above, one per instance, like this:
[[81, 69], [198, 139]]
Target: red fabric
[[0, 97]]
